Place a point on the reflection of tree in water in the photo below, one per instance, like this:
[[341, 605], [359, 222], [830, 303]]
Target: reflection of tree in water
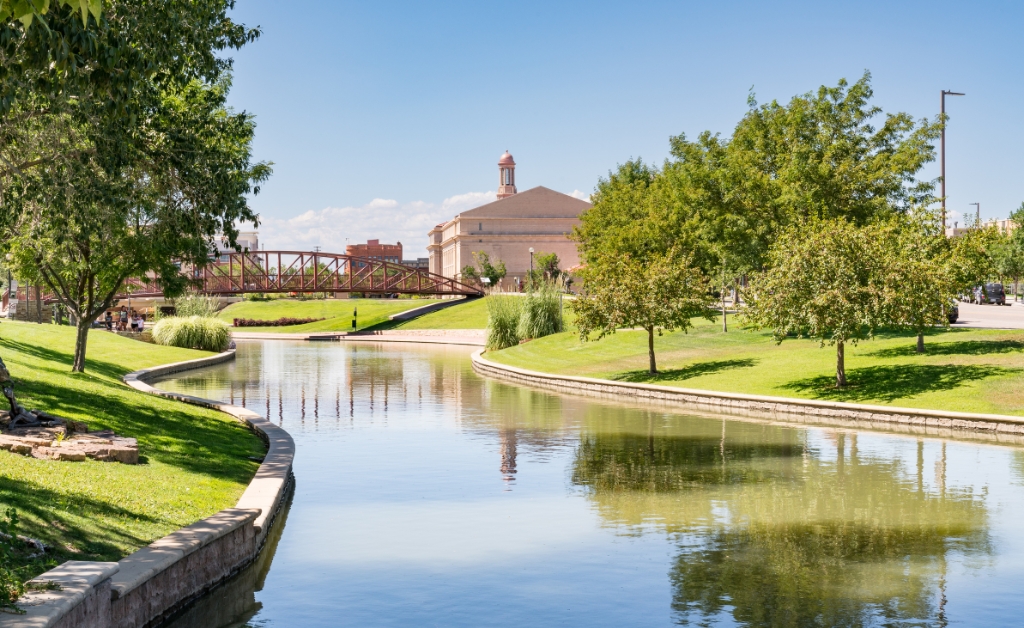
[[773, 534], [508, 454]]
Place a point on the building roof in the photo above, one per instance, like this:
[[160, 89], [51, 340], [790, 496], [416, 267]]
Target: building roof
[[538, 202], [506, 160]]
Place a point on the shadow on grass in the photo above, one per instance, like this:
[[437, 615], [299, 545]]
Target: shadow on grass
[[75, 526], [65, 358], [962, 347], [170, 432], [687, 372], [895, 382]]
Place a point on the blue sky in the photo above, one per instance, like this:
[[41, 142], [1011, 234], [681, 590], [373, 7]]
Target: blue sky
[[383, 118]]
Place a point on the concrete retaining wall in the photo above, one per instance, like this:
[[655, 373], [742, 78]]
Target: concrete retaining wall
[[758, 406], [151, 584]]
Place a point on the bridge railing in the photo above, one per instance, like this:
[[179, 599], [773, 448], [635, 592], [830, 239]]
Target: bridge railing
[[276, 272]]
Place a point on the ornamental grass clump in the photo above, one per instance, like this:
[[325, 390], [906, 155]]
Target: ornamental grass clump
[[193, 332], [196, 305], [503, 314], [541, 314]]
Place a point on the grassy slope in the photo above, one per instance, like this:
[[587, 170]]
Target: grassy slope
[[469, 315], [196, 460], [963, 370], [336, 312]]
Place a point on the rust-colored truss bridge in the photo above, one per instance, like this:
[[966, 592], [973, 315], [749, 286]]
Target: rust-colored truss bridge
[[302, 272]]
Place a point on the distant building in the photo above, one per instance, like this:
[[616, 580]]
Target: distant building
[[422, 263], [373, 249], [507, 229], [1004, 226], [247, 241]]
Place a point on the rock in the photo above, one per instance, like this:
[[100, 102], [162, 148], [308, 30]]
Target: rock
[[63, 454]]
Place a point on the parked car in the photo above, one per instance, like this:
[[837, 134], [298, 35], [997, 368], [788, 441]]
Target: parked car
[[990, 293], [953, 313]]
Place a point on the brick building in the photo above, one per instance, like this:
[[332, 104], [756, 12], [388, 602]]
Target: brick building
[[373, 249]]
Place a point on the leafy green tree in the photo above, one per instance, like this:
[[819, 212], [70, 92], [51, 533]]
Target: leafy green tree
[[545, 267], [821, 282], [915, 275], [484, 269], [90, 224], [659, 293]]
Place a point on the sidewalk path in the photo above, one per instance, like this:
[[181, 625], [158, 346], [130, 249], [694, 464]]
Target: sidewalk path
[[991, 316]]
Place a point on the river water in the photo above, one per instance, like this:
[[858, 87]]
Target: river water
[[429, 496]]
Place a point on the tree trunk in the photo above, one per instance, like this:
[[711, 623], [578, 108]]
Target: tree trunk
[[920, 343], [81, 337], [725, 323], [39, 305], [650, 349], [840, 366]]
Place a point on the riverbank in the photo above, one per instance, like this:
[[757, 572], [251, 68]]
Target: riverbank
[[974, 371], [194, 461]]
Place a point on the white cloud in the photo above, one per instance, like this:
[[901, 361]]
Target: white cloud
[[383, 219]]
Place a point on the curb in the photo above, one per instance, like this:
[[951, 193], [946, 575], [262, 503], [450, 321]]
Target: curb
[[761, 406], [149, 585]]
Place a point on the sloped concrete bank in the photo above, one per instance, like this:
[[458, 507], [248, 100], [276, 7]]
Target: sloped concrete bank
[[758, 406], [148, 586]]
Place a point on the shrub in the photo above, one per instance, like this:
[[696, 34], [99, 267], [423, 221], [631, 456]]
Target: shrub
[[193, 304], [193, 332], [280, 322], [541, 314], [503, 314]]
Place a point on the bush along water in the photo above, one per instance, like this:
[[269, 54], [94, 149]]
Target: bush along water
[[193, 304], [541, 313], [503, 314], [192, 332], [277, 322]]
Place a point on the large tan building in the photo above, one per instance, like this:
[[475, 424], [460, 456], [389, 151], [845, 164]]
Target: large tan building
[[507, 229]]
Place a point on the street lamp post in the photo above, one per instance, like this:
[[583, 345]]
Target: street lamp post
[[943, 154], [9, 295], [531, 265]]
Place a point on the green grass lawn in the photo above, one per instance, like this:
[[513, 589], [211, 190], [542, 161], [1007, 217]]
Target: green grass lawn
[[195, 461], [469, 315], [962, 370], [337, 313]]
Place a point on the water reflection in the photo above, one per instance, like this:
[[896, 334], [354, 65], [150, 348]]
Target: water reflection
[[427, 495], [775, 531]]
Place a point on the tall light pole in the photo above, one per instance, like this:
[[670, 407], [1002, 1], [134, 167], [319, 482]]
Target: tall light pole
[[977, 219], [531, 265], [943, 153]]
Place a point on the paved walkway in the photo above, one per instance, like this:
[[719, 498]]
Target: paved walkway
[[991, 316]]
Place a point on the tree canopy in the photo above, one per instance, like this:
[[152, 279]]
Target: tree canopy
[[655, 294]]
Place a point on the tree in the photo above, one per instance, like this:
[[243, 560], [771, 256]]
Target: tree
[[821, 283], [916, 275], [656, 294], [90, 224], [484, 269], [546, 265]]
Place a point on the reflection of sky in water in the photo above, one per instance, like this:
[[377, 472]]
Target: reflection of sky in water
[[428, 496]]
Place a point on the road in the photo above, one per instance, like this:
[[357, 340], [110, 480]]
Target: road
[[991, 316]]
